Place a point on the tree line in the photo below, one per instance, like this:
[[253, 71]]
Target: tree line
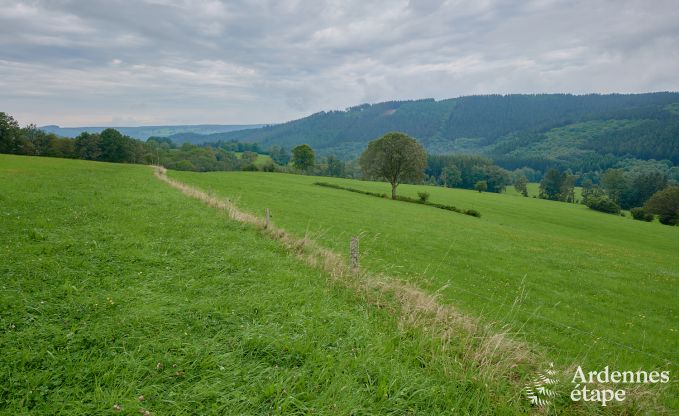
[[394, 157], [111, 146], [644, 192]]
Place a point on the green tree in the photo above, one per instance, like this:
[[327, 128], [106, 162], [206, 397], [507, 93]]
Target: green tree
[[521, 185], [665, 204], [451, 176], [615, 184], [644, 186], [249, 157], [88, 146], [603, 203], [303, 157], [496, 178], [481, 186], [335, 166], [592, 192], [279, 155], [395, 157], [550, 186], [39, 141], [115, 147], [567, 187], [10, 134]]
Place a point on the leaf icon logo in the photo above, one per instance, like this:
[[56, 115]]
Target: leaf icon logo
[[540, 390]]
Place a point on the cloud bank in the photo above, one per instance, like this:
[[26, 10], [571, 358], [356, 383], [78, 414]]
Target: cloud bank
[[189, 61]]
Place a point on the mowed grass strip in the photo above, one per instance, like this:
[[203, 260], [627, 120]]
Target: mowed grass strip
[[590, 288], [118, 290]]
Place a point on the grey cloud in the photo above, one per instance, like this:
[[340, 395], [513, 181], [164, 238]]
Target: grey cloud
[[191, 61]]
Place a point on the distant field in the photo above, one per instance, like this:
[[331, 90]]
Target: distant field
[[116, 286], [587, 287], [261, 159], [534, 191]]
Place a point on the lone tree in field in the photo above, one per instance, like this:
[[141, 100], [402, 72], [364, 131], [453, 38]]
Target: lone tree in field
[[550, 185], [303, 157], [521, 185], [395, 157]]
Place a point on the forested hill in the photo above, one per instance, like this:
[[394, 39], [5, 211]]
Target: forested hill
[[516, 130]]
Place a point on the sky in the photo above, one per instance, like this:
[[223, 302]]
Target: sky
[[155, 62]]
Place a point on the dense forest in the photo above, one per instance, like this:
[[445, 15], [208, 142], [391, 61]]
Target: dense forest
[[582, 133]]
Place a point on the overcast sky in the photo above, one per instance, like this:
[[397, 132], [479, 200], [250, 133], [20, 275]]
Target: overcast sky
[[118, 63]]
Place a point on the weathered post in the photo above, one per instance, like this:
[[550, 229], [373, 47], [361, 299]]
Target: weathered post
[[266, 224], [353, 251]]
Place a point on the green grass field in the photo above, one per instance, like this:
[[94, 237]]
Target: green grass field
[[116, 286], [586, 287]]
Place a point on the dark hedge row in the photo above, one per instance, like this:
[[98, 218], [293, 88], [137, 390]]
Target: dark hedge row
[[421, 201]]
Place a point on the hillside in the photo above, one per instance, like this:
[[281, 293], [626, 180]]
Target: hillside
[[178, 303], [583, 286], [571, 131], [581, 273], [190, 133], [122, 295]]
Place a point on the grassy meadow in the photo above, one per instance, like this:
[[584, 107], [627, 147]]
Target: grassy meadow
[[121, 295], [586, 288]]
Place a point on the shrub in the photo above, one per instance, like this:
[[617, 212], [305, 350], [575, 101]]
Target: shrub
[[268, 166], [424, 197], [669, 219], [603, 204], [446, 207], [473, 213], [184, 165], [640, 214], [328, 185], [665, 203], [408, 199], [358, 191]]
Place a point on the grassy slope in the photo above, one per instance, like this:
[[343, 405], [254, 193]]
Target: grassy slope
[[107, 271], [261, 159], [534, 191], [587, 282]]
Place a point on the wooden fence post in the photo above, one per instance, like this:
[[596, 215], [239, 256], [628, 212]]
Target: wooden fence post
[[353, 251], [266, 224]]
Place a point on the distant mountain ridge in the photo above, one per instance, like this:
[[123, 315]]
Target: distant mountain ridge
[[516, 129], [144, 132]]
